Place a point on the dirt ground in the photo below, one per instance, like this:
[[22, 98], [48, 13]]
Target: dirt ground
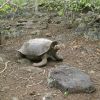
[[16, 83]]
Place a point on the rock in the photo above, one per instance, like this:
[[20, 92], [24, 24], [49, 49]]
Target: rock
[[62, 37], [39, 15], [32, 93], [70, 79], [36, 32], [48, 96], [48, 34], [56, 20], [53, 14], [22, 21], [26, 14], [12, 32], [89, 26], [29, 25], [81, 29], [78, 20], [92, 34], [42, 26]]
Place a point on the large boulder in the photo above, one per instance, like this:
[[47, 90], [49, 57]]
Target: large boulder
[[70, 79]]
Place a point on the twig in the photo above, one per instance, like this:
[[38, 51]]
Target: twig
[[5, 3], [44, 72], [35, 84], [6, 64]]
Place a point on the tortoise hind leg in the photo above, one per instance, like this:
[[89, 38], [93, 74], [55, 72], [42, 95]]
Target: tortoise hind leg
[[42, 63]]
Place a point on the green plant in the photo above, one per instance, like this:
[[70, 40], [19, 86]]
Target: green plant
[[59, 6], [54, 5], [83, 5], [73, 5], [66, 93], [7, 8]]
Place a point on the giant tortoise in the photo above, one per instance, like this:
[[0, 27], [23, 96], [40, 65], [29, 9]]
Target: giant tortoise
[[40, 49]]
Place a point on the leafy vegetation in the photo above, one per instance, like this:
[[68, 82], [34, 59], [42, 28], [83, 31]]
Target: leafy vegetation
[[59, 6], [84, 5]]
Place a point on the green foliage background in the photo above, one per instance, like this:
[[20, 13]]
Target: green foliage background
[[53, 5]]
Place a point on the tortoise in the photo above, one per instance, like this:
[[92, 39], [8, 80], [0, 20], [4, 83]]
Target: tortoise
[[40, 49]]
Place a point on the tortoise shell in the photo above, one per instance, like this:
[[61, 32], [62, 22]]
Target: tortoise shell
[[37, 47]]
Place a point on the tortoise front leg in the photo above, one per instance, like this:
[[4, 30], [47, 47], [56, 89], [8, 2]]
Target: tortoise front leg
[[42, 63], [58, 57]]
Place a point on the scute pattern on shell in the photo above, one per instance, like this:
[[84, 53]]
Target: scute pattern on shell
[[36, 47]]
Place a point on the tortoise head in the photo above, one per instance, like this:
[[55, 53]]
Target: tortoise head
[[55, 46], [59, 46]]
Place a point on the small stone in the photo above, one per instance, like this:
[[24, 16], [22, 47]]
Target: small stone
[[48, 96], [32, 93], [81, 29], [29, 25], [56, 20], [92, 72], [36, 32], [70, 79], [78, 20], [15, 98], [48, 34]]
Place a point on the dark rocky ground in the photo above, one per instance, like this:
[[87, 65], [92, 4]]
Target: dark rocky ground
[[21, 81]]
